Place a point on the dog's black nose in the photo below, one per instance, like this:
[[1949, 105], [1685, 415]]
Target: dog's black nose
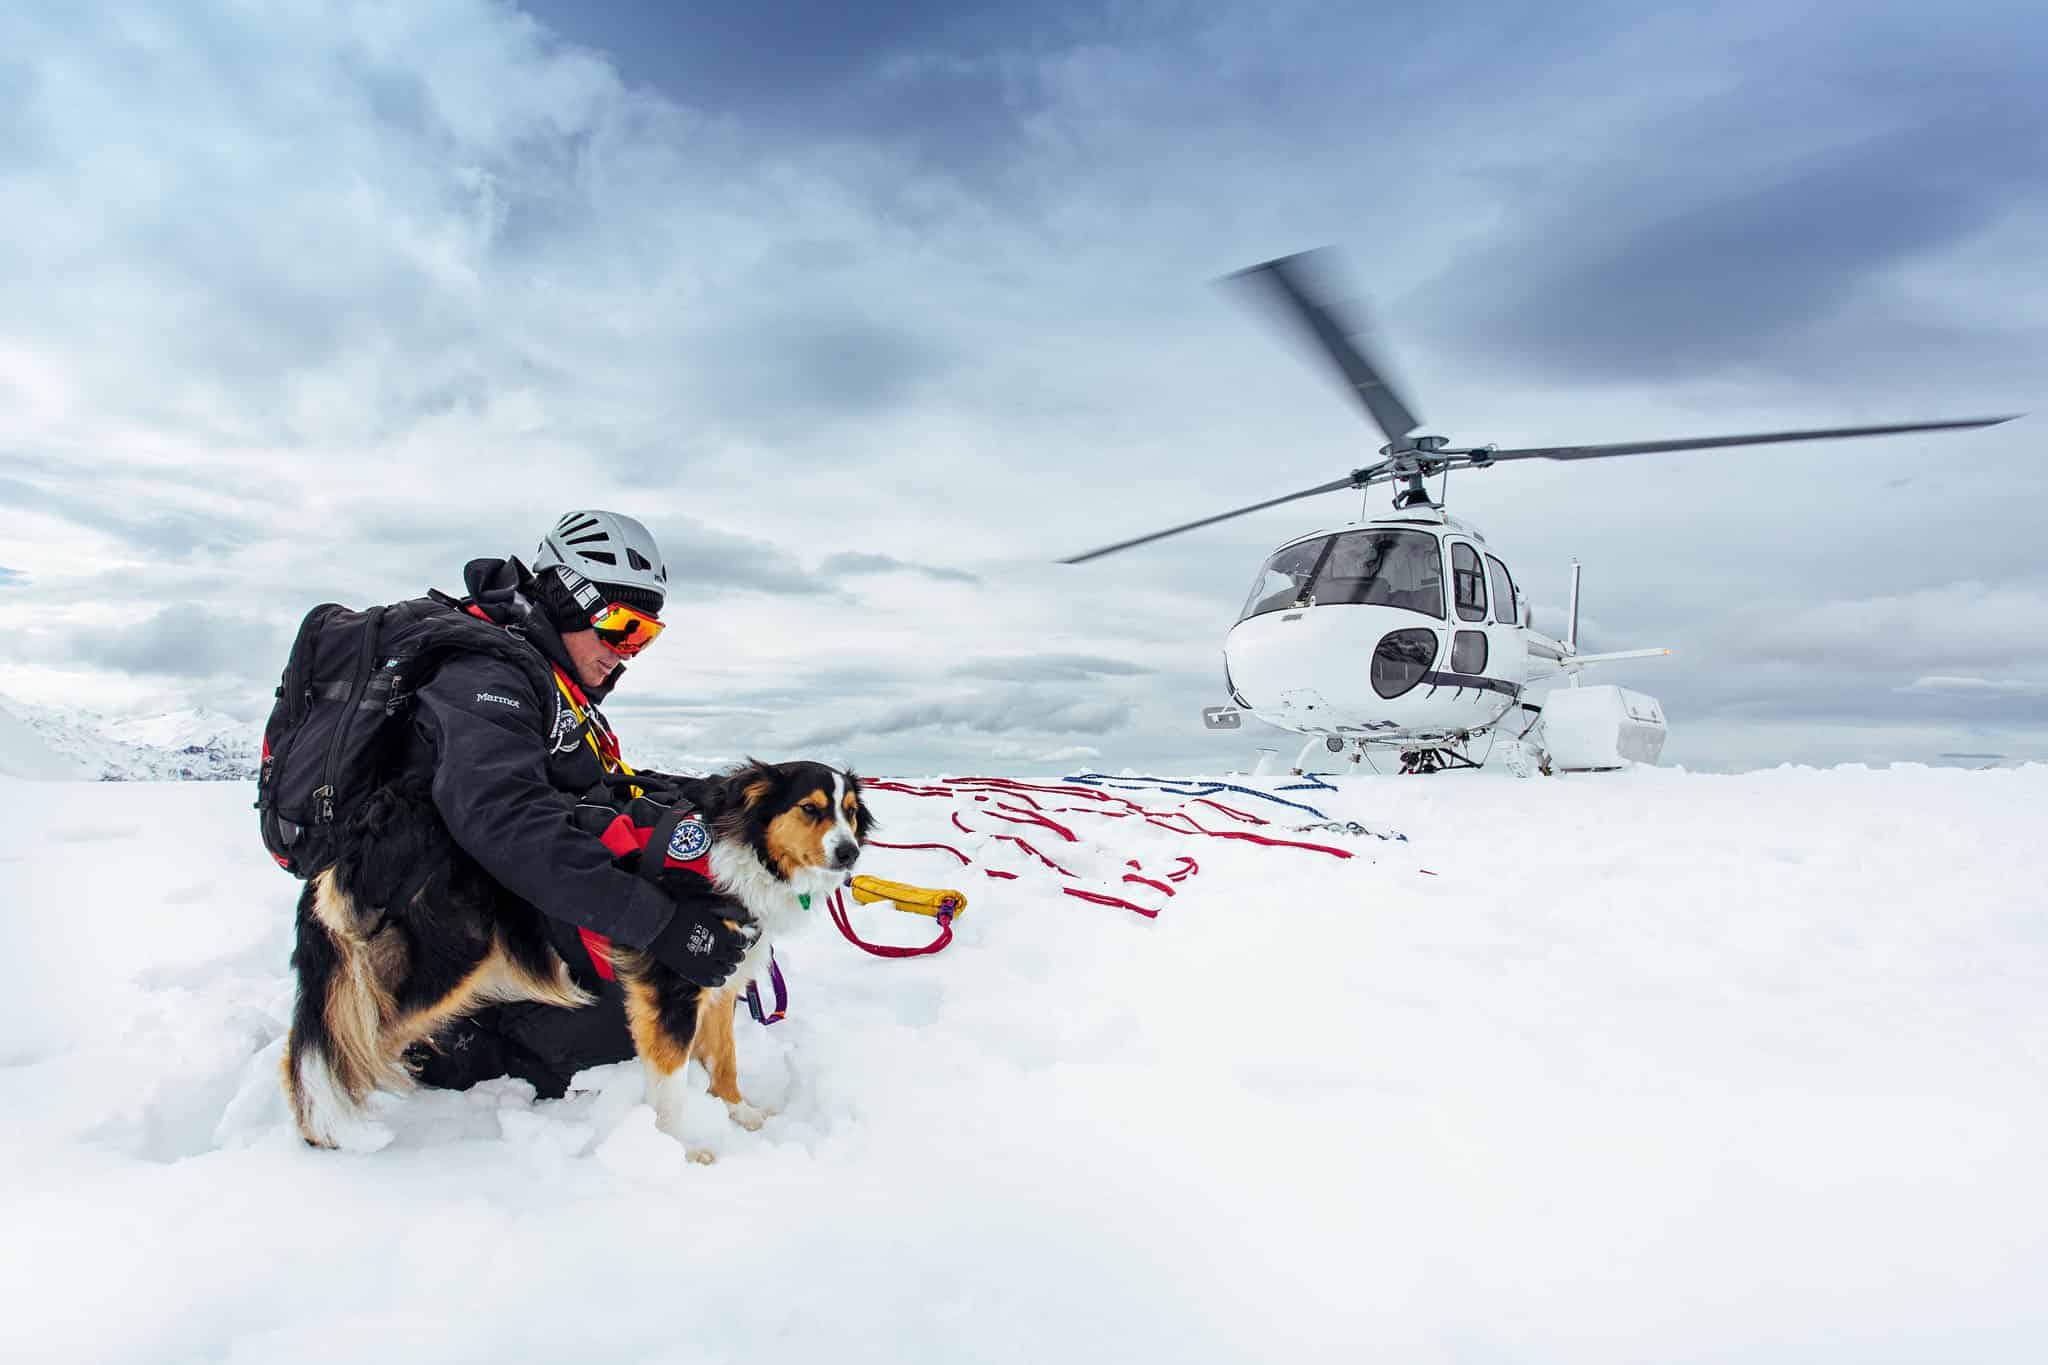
[[845, 855]]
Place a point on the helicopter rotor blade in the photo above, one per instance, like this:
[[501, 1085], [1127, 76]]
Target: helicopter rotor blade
[[1348, 481], [1290, 281], [1709, 442]]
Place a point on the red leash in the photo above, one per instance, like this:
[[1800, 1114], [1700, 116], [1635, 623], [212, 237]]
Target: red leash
[[837, 905]]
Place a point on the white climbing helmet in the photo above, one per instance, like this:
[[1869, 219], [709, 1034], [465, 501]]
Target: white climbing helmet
[[614, 551]]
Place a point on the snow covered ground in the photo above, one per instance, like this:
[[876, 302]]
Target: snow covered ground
[[1654, 1066]]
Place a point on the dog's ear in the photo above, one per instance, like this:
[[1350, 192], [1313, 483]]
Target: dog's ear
[[864, 819], [755, 783]]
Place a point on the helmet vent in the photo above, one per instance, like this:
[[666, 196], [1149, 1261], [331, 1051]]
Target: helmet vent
[[609, 548]]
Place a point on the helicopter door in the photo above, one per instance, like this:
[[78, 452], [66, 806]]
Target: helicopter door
[[1503, 593], [1510, 644], [1469, 645], [1468, 582]]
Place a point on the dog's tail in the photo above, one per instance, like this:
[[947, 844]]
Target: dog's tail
[[336, 1054]]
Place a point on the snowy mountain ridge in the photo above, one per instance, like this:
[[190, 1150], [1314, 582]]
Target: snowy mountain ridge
[[190, 745]]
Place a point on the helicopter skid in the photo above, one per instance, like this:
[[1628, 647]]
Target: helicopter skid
[[1419, 753]]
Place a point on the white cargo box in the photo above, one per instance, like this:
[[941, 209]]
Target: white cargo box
[[1601, 727]]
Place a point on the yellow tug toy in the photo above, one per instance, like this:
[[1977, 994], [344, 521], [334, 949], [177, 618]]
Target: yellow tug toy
[[941, 904], [918, 900]]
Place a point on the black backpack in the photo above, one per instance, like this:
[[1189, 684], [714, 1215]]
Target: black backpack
[[342, 710]]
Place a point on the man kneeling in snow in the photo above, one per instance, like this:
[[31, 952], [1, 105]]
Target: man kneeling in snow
[[506, 769]]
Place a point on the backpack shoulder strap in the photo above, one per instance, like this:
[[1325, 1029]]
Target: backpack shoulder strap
[[439, 628]]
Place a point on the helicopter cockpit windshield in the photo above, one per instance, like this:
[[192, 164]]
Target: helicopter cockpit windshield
[[1384, 568], [1379, 567], [1283, 582]]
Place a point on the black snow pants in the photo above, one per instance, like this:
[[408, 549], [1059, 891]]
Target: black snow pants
[[544, 1045]]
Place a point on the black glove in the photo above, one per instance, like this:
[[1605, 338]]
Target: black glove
[[699, 946]]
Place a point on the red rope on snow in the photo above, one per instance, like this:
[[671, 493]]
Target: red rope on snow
[[1098, 898], [1014, 839], [1277, 843], [1027, 817], [1032, 812], [965, 861], [1231, 811], [837, 905]]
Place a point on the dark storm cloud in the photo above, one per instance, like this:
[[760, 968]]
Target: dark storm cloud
[[855, 562], [914, 73], [1050, 668], [1762, 228]]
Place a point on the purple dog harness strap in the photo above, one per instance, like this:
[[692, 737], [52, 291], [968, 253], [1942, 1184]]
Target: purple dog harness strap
[[774, 1016]]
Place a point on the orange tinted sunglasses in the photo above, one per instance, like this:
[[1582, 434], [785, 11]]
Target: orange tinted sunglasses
[[623, 629]]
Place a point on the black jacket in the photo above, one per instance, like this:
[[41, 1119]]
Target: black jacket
[[507, 763]]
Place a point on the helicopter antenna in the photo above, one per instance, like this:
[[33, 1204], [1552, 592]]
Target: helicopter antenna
[[1571, 636]]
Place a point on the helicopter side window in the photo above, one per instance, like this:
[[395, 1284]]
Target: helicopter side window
[[1384, 568], [1503, 592], [1284, 581], [1468, 581]]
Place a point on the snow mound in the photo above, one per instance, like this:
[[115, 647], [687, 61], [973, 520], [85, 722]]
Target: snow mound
[[25, 753], [1593, 1069]]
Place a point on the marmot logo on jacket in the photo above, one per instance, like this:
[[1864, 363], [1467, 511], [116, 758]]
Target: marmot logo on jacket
[[502, 701]]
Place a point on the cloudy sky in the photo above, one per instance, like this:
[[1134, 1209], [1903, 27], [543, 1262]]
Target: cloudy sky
[[872, 312]]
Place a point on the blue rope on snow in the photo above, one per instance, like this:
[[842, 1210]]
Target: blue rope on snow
[[1181, 786]]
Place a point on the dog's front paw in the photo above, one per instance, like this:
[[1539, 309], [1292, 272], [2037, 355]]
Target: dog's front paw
[[746, 1116]]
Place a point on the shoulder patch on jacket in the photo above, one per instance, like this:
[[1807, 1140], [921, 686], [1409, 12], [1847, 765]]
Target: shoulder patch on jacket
[[691, 840]]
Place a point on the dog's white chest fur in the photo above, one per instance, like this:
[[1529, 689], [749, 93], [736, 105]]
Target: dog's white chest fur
[[773, 902]]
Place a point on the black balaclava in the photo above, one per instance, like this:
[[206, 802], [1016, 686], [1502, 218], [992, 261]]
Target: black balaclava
[[565, 615]]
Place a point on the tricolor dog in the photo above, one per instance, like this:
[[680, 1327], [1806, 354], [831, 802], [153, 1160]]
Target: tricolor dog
[[405, 933]]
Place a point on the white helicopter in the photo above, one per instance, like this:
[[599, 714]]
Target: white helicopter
[[1406, 632]]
